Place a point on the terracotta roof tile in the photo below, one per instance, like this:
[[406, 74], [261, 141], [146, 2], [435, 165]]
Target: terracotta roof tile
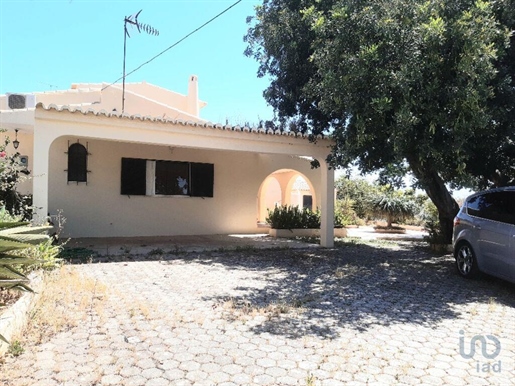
[[207, 125]]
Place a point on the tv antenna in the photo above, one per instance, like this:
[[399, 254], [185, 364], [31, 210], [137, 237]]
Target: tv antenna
[[133, 21]]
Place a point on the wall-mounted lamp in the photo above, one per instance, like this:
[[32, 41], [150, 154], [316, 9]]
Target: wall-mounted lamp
[[16, 143]]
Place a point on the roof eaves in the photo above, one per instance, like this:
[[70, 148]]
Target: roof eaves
[[203, 124]]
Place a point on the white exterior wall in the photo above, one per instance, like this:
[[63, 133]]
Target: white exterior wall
[[99, 210], [242, 159]]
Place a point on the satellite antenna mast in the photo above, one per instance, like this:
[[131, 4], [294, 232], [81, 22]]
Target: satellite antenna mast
[[133, 20]]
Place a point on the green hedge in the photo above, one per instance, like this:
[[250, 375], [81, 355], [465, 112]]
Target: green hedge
[[293, 217]]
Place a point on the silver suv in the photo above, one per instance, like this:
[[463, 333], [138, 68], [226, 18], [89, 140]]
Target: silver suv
[[484, 234]]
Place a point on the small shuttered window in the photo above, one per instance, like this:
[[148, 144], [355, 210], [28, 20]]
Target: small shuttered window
[[77, 163]]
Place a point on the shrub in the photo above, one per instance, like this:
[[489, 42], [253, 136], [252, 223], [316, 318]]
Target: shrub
[[344, 213], [46, 254], [14, 237], [359, 191], [292, 217], [432, 224], [12, 173], [392, 207]]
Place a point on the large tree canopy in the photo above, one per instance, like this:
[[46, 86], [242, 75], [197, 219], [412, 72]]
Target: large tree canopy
[[428, 84]]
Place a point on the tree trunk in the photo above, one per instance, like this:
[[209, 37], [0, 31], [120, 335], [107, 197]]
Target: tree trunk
[[435, 188]]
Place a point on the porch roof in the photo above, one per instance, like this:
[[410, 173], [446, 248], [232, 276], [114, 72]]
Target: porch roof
[[192, 123]]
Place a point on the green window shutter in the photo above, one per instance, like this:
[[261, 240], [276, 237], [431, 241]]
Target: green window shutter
[[202, 179], [134, 176]]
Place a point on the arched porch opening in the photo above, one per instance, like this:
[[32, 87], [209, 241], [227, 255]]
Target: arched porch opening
[[284, 187]]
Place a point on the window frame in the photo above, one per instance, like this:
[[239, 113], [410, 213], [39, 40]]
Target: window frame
[[498, 210], [196, 175], [153, 178], [78, 169]]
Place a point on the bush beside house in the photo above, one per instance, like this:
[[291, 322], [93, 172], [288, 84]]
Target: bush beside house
[[23, 247], [292, 221]]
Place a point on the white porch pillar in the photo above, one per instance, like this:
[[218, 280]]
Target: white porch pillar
[[327, 206], [42, 144]]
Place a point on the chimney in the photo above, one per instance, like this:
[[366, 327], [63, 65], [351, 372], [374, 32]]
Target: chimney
[[193, 102]]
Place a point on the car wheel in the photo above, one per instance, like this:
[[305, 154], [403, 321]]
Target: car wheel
[[466, 261]]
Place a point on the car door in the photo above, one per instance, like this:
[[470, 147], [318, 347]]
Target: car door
[[495, 234], [510, 256]]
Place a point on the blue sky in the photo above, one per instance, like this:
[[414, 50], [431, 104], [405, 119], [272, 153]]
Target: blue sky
[[47, 45]]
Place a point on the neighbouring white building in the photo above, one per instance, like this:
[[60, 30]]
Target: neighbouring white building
[[157, 169]]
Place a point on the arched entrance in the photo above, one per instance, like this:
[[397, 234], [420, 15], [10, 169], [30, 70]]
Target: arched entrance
[[284, 187]]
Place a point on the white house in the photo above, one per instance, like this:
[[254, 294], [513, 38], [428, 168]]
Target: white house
[[157, 169]]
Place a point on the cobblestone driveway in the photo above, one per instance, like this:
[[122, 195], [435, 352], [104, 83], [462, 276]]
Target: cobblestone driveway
[[385, 314]]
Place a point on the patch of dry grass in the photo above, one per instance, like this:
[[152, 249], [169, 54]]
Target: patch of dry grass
[[346, 271], [67, 299], [242, 309]]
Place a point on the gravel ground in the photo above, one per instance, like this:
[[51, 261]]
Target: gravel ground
[[363, 313]]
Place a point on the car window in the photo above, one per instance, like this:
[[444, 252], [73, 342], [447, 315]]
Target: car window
[[477, 206], [507, 203], [496, 206]]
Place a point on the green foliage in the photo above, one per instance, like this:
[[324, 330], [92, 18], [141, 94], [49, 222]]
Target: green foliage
[[5, 216], [431, 224], [292, 217], [156, 251], [392, 81], [11, 174], [47, 254], [393, 206], [370, 200], [359, 191], [16, 348], [344, 213], [15, 237], [78, 254]]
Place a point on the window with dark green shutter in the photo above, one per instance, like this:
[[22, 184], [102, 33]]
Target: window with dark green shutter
[[167, 178], [134, 176], [202, 179]]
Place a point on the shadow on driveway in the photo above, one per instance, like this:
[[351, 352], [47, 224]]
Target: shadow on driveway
[[356, 285]]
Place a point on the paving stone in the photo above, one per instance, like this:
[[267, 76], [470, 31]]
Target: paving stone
[[254, 370], [47, 382], [129, 371], [286, 364], [266, 362], [332, 382], [174, 374], [218, 377], [401, 332], [196, 376], [431, 380], [232, 369], [223, 360], [256, 354], [135, 380], [47, 364], [111, 379], [152, 373], [145, 364], [287, 380], [308, 365], [263, 379]]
